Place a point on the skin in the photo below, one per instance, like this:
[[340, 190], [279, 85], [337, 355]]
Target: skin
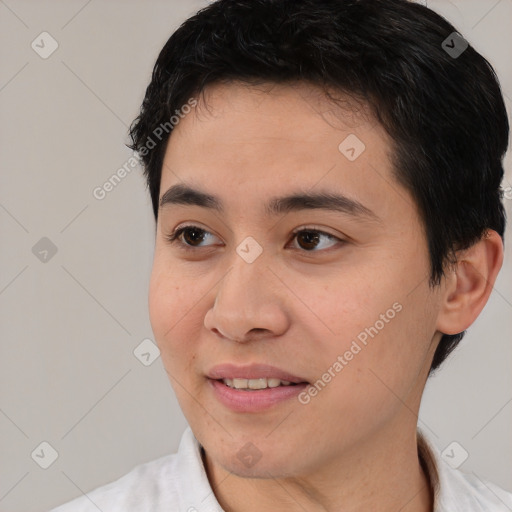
[[300, 306]]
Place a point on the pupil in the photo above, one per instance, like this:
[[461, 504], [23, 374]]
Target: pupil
[[310, 237], [195, 237]]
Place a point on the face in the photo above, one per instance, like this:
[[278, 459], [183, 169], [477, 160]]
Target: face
[[329, 295]]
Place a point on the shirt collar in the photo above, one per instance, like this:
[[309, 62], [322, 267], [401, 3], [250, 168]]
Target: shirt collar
[[453, 490], [430, 464], [196, 494]]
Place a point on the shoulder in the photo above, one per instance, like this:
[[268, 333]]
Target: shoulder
[[469, 492], [174, 482], [457, 491], [150, 486]]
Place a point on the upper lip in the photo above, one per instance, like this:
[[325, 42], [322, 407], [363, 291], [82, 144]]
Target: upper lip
[[252, 371]]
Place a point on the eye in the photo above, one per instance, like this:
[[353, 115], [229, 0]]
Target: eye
[[190, 238], [312, 237], [192, 234]]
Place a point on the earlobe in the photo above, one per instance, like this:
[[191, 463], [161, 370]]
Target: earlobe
[[469, 284]]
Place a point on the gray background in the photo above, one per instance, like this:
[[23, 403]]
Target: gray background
[[70, 324]]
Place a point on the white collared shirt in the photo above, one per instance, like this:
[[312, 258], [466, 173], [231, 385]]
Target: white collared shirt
[[178, 483]]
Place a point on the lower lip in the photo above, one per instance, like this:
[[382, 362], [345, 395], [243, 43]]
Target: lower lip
[[256, 400]]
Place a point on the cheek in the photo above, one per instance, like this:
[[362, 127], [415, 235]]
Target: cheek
[[171, 316], [382, 329], [161, 307], [384, 360], [346, 307], [170, 308]]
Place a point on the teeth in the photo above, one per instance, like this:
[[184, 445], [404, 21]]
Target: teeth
[[248, 384], [240, 383], [273, 383]]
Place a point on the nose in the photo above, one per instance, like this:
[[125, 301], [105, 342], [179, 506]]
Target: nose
[[250, 303]]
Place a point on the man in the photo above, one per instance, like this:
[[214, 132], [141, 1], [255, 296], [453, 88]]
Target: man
[[325, 178]]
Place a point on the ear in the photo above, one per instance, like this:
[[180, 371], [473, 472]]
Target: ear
[[469, 284]]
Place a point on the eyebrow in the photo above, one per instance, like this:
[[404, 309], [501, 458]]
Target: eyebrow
[[185, 195]]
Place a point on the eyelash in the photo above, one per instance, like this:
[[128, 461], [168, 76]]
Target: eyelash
[[174, 238]]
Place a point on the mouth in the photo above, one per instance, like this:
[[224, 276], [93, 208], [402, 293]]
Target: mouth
[[256, 384], [253, 388], [253, 376]]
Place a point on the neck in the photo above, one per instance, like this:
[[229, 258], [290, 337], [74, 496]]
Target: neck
[[381, 473]]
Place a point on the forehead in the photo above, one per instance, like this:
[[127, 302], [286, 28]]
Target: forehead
[[283, 111], [245, 143]]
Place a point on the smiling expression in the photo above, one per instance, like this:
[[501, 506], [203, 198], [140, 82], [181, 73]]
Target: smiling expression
[[276, 247]]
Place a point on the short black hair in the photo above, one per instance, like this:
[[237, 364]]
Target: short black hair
[[443, 110]]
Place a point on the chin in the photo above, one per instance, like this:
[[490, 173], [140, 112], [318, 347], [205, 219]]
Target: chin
[[257, 458], [261, 469]]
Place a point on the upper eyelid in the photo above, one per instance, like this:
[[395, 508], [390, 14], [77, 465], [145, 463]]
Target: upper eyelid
[[177, 232], [296, 230]]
